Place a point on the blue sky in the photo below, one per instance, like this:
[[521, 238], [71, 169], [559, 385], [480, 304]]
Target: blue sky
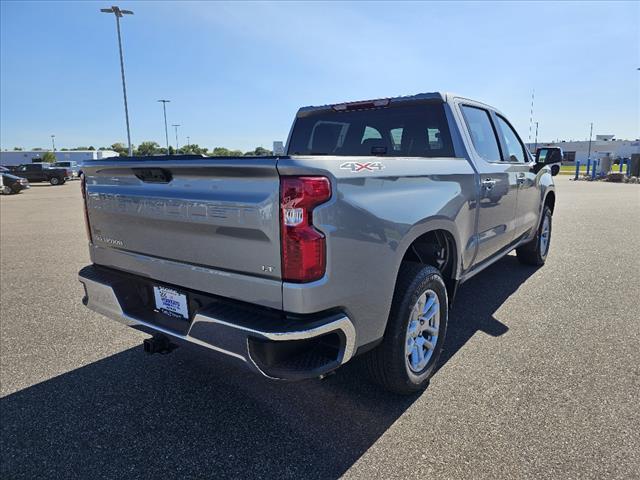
[[237, 72]]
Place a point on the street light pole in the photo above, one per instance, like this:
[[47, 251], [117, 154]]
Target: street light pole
[[119, 13], [188, 141], [166, 131], [177, 146], [536, 147], [53, 142]]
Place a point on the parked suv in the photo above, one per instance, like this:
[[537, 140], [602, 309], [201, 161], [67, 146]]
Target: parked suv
[[551, 156], [73, 166], [354, 243]]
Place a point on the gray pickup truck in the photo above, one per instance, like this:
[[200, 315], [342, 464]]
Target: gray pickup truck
[[353, 243]]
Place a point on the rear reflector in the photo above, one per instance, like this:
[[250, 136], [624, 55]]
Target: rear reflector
[[303, 247]]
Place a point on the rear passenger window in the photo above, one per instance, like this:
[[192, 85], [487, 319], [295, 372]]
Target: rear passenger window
[[515, 150], [482, 134]]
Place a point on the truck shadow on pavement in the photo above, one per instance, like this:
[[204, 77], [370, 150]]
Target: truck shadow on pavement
[[186, 416]]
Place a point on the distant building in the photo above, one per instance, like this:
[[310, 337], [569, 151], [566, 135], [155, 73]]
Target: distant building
[[278, 148], [28, 156], [602, 146]]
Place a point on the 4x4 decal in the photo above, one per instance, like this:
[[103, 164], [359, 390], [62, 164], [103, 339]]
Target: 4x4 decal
[[356, 167]]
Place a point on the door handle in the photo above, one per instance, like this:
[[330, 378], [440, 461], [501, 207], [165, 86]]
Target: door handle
[[488, 183], [521, 177]]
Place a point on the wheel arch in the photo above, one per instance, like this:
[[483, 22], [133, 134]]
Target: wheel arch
[[550, 200], [437, 245]]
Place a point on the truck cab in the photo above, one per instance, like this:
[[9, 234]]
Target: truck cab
[[43, 172]]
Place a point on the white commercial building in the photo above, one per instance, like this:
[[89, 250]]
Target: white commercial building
[[602, 146], [29, 156]]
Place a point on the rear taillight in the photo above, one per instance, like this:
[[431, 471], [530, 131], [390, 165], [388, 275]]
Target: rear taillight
[[303, 247], [83, 187]]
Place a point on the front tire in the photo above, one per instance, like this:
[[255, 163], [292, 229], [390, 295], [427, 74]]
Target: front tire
[[535, 252], [408, 355]]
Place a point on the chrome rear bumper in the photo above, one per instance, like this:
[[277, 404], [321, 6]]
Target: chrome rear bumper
[[276, 349]]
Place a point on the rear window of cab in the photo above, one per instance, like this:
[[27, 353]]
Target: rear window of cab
[[415, 130]]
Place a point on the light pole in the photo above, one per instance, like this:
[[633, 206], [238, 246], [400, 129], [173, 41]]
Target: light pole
[[119, 13], [166, 131], [176, 127], [53, 142], [188, 141], [536, 147]]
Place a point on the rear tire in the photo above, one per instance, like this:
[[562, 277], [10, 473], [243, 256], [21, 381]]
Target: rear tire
[[535, 252], [54, 181], [408, 355]]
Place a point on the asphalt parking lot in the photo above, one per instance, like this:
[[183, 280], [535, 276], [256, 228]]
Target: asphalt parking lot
[[540, 377]]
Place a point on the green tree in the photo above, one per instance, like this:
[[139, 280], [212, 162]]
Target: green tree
[[120, 149], [48, 157], [163, 150], [220, 152], [193, 149], [17, 149], [258, 152], [36, 149], [148, 148]]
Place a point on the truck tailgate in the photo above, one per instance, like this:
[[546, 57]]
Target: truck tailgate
[[208, 214]]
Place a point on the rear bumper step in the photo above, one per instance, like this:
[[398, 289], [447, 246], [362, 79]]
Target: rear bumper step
[[268, 342]]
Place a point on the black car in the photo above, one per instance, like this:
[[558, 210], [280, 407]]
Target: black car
[[11, 183]]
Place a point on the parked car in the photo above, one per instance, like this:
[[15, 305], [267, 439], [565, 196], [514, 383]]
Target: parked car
[[551, 156], [42, 172], [354, 243], [11, 184], [69, 165]]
